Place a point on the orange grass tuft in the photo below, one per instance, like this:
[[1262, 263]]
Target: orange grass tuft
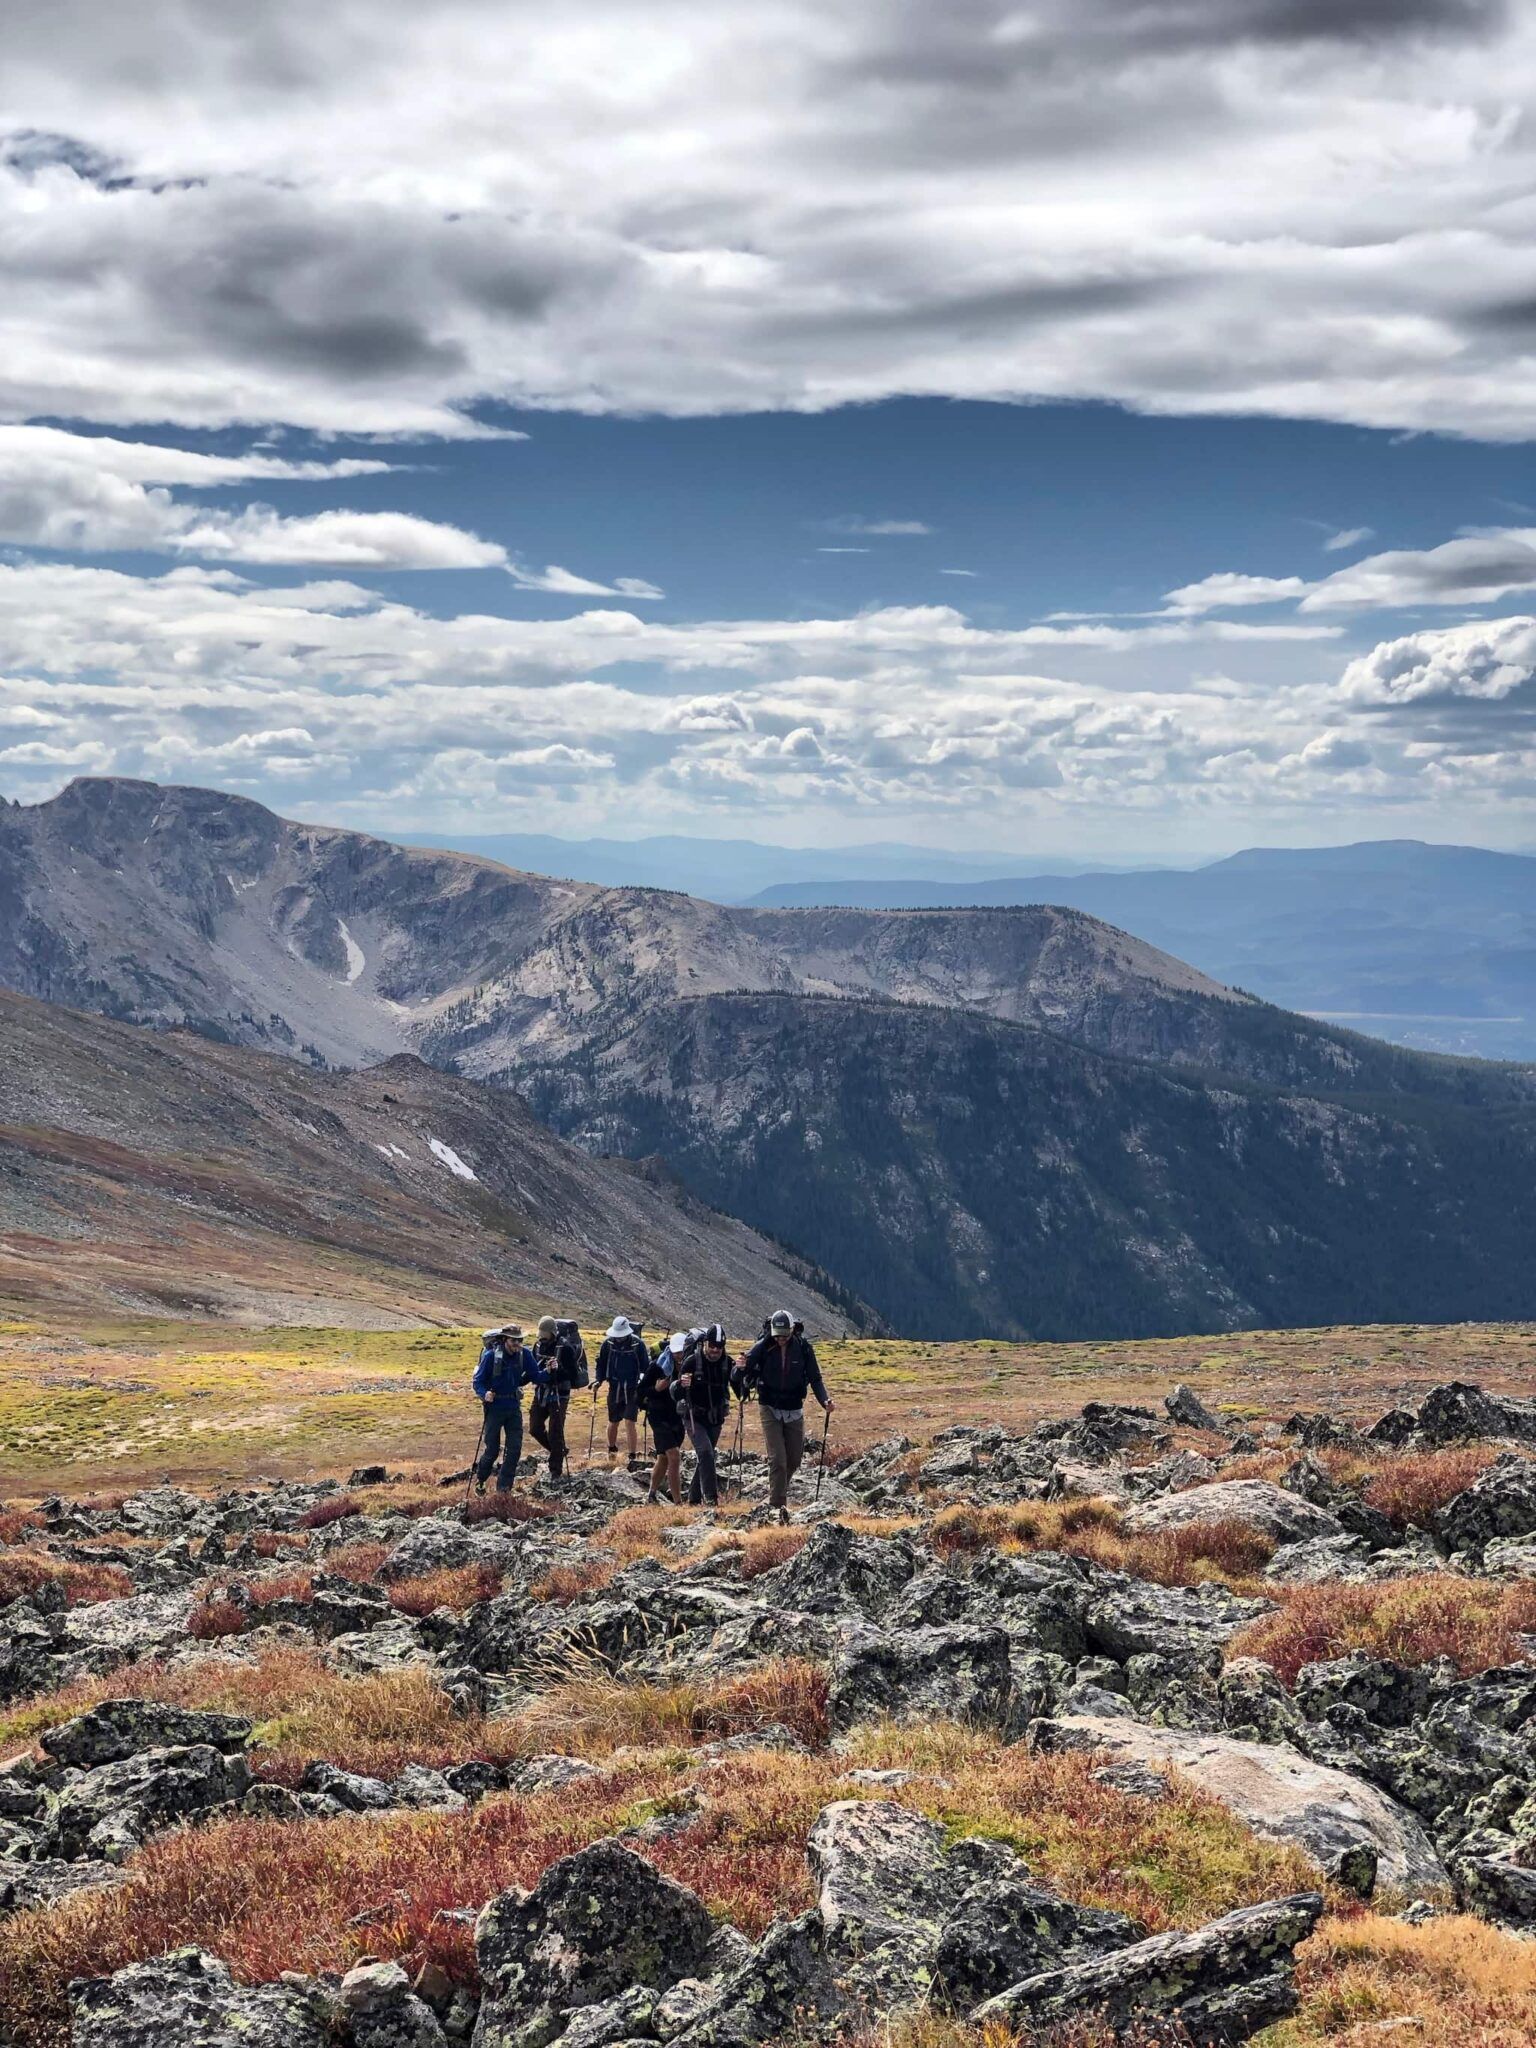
[[458, 1587], [1227, 1551], [24, 1573], [1452, 1983], [563, 1583], [212, 1619], [1415, 1486], [1475, 1622], [336, 1507]]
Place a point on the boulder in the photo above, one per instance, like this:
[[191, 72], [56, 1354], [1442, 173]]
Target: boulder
[[1499, 1890], [108, 1812], [1223, 1983], [1319, 1561], [1185, 1406], [785, 1991], [550, 1773], [347, 1791], [24, 1885], [1389, 1694], [838, 1572], [1458, 1412], [1255, 1503], [189, 1998], [115, 1729], [379, 2009], [1501, 1501], [595, 1924], [925, 1674], [1131, 1617], [1280, 1794], [111, 1632], [881, 1874]]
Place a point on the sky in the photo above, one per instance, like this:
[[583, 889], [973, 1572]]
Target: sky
[[1087, 427]]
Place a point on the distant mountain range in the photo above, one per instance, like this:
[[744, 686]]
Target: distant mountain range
[[978, 1120], [164, 1173], [731, 870], [1430, 946]]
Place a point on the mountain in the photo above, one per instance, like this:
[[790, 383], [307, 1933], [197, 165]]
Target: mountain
[[1430, 946], [160, 1172], [979, 1120], [728, 870]]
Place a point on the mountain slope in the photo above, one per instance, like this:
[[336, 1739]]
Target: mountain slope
[[1021, 1120], [158, 1171], [978, 1177], [1432, 946]]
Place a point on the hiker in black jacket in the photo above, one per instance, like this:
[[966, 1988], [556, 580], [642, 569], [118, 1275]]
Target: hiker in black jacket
[[779, 1369], [658, 1396], [705, 1386], [560, 1367], [621, 1359]]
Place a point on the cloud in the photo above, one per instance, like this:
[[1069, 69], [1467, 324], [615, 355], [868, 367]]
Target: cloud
[[1295, 208], [1347, 537], [1224, 589], [564, 583], [904, 529], [844, 551], [957, 572], [1475, 569], [1490, 662]]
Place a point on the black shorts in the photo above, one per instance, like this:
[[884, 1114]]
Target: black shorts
[[623, 1403], [666, 1429]]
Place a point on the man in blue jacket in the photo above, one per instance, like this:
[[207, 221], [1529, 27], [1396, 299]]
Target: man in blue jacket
[[506, 1367]]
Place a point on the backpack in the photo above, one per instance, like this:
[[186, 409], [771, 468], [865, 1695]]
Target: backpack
[[569, 1332]]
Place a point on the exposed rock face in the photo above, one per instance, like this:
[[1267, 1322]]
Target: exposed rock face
[[595, 1924], [109, 1811], [1500, 1502], [1278, 1793], [924, 1674], [1255, 1503], [1223, 1983], [117, 1729], [379, 2009], [189, 1999], [1459, 1412]]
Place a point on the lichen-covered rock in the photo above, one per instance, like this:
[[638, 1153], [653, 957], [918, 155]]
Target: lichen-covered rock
[[1319, 1561], [379, 2009], [1389, 1694], [110, 1632], [880, 1872], [1459, 1412], [1281, 1795], [189, 2000], [551, 1773], [1255, 1503], [42, 1882], [1223, 1983], [928, 1674], [1498, 1889], [1501, 1501], [595, 1924], [786, 1990], [108, 1812], [999, 1931], [115, 1729], [1132, 1618], [347, 1791], [838, 1572], [1185, 1406]]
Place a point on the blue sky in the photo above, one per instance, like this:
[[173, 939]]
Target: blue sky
[[1052, 427]]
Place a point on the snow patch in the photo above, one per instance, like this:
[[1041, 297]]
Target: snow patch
[[357, 959], [451, 1159], [382, 1148]]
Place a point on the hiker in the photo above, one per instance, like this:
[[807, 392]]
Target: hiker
[[705, 1381], [779, 1369], [561, 1366], [621, 1359], [658, 1397], [506, 1367]]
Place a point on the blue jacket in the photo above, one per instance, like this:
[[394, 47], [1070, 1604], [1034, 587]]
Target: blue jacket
[[504, 1370]]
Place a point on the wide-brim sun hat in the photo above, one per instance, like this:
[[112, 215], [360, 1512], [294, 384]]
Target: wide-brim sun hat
[[620, 1327]]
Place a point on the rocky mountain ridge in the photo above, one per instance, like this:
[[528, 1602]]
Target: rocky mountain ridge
[[157, 1171], [1012, 1121]]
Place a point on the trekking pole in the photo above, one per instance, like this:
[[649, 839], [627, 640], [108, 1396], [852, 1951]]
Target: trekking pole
[[741, 1421], [821, 1465], [592, 1432], [474, 1463]]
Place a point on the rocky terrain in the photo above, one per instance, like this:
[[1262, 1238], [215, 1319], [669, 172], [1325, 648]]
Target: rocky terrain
[[1124, 1722], [1013, 1120], [160, 1171]]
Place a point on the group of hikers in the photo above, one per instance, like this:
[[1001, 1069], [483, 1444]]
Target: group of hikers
[[682, 1390]]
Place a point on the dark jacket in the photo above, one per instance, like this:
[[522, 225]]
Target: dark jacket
[[622, 1360], [658, 1396], [504, 1370], [559, 1368], [782, 1375], [708, 1392]]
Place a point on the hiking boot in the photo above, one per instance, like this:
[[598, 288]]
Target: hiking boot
[[653, 1499], [783, 1518], [479, 1487]]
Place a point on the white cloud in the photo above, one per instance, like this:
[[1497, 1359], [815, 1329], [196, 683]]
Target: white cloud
[[957, 572], [1490, 661], [1223, 589], [1257, 208], [564, 583], [1474, 569], [1347, 537], [901, 529]]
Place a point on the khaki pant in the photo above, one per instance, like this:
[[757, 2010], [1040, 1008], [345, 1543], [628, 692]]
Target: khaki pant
[[784, 1446]]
